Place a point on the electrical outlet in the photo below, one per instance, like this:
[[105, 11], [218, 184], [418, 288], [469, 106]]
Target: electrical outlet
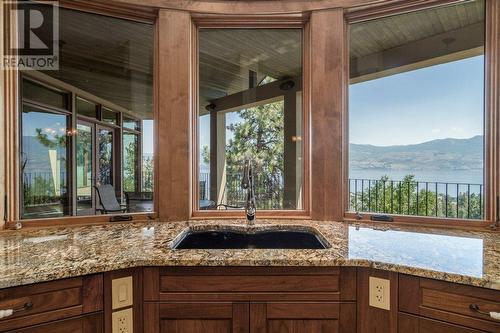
[[122, 321], [380, 293]]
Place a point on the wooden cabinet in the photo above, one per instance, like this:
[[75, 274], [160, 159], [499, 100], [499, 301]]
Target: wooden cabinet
[[52, 302], [414, 324], [249, 300], [288, 317], [463, 307], [196, 317], [92, 323]]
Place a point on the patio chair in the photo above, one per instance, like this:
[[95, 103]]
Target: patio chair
[[107, 198]]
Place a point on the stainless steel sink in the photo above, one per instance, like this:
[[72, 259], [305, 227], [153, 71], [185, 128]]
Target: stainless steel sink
[[254, 239]]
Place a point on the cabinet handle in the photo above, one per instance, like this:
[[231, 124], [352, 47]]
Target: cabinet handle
[[9, 312], [475, 308]]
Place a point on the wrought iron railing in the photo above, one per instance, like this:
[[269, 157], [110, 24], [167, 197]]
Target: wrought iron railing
[[419, 198], [268, 196], [404, 197]]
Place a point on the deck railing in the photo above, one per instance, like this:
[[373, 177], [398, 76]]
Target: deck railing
[[404, 197], [419, 198]]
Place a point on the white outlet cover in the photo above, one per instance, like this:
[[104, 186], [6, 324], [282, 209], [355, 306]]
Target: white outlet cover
[[379, 293]]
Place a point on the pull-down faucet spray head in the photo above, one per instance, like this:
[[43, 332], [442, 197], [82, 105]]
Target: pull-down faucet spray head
[[247, 184]]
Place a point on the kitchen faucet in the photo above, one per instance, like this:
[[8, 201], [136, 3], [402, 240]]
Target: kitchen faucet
[[247, 184]]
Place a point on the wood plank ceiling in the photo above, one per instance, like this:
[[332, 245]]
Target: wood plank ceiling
[[227, 55], [108, 57], [444, 27]]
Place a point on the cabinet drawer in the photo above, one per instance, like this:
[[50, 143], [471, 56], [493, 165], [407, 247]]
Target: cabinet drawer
[[413, 324], [44, 302], [92, 323], [449, 302], [248, 283]]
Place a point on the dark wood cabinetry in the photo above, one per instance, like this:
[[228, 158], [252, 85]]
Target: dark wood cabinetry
[[250, 300], [52, 302], [459, 307], [92, 323], [196, 317]]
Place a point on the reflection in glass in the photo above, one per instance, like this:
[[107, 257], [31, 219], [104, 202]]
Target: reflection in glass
[[41, 94], [84, 170], [105, 157], [109, 116], [86, 108], [250, 107], [44, 164], [130, 156]]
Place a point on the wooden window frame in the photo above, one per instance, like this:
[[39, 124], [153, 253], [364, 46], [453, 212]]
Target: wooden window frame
[[136, 13], [491, 110], [207, 21]]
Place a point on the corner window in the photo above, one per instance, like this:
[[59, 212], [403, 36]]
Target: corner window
[[250, 107], [416, 113]]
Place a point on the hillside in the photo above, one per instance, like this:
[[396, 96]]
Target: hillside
[[442, 154]]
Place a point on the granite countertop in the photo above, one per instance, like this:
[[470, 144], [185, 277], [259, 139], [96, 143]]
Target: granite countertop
[[36, 255]]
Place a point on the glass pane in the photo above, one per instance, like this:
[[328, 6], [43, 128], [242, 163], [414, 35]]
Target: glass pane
[[416, 113], [250, 107], [147, 156], [109, 116], [130, 123], [41, 94], [105, 156], [43, 164], [130, 158], [107, 60], [86, 108], [84, 170]]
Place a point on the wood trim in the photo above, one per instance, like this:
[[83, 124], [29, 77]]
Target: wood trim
[[174, 114], [328, 78], [492, 110], [252, 7], [375, 11], [137, 305], [424, 221], [9, 176], [132, 12], [250, 21], [371, 319], [256, 21], [76, 220]]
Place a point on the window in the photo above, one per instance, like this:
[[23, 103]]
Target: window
[[44, 163], [250, 107], [82, 125], [416, 113]]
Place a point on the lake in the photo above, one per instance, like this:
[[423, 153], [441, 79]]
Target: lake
[[445, 176]]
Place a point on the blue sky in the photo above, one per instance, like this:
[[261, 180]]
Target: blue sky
[[443, 101]]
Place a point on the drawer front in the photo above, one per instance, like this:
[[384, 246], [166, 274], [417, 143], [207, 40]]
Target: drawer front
[[413, 324], [92, 323], [249, 283], [45, 302], [241, 283], [449, 302]]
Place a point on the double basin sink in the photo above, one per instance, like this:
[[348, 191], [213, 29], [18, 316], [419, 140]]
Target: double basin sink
[[228, 237]]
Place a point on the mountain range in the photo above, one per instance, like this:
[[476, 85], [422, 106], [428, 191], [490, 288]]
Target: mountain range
[[440, 154]]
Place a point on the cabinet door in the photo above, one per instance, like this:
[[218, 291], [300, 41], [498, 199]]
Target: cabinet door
[[196, 317], [92, 323], [307, 317]]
